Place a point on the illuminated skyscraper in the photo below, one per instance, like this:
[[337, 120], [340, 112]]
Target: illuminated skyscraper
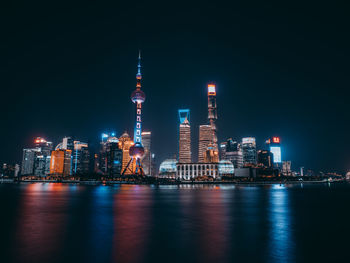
[[211, 154], [137, 151], [212, 114], [28, 161], [232, 151], [60, 164], [185, 137], [265, 158], [208, 141], [114, 157], [222, 150], [81, 158], [125, 142], [68, 143], [101, 159], [205, 138], [286, 168], [275, 148], [36, 161], [249, 151], [42, 157], [147, 158]]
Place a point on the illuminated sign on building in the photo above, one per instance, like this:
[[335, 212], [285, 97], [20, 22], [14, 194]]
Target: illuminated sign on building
[[39, 140], [276, 151], [211, 89], [275, 139]]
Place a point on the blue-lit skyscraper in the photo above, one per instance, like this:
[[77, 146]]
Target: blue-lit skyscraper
[[185, 154], [275, 148]]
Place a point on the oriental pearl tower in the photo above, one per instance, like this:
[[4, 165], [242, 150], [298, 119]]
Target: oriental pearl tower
[[137, 151]]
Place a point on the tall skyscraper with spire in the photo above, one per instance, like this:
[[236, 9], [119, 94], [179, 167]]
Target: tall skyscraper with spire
[[137, 151], [208, 150], [212, 114], [185, 137]]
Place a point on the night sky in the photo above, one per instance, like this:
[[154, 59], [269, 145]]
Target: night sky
[[280, 69]]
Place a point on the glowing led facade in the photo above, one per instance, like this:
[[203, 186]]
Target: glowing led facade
[[60, 164], [275, 149]]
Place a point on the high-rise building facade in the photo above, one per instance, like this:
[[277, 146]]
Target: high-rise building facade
[[28, 161], [286, 168], [212, 114], [265, 158], [249, 151], [185, 154], [211, 154], [125, 142], [222, 150], [60, 164], [208, 143], [147, 158], [102, 155], [68, 143], [81, 158], [114, 156], [233, 153], [36, 161], [205, 138], [42, 164], [275, 147]]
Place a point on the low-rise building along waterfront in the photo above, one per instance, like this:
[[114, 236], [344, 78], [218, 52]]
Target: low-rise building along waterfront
[[192, 170]]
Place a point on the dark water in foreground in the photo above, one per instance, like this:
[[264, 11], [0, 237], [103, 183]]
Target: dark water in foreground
[[130, 223]]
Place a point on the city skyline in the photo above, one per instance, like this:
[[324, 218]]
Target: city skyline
[[259, 145], [277, 74]]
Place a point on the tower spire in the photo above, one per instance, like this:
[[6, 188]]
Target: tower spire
[[137, 151], [138, 75]]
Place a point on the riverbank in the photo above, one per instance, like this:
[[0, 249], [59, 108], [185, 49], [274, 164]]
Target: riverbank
[[155, 182]]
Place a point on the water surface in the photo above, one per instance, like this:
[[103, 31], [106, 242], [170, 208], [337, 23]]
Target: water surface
[[50, 222]]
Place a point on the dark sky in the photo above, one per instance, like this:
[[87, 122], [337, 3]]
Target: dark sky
[[281, 68]]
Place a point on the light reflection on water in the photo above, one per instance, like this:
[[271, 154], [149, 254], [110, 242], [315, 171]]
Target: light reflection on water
[[281, 245], [139, 223]]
